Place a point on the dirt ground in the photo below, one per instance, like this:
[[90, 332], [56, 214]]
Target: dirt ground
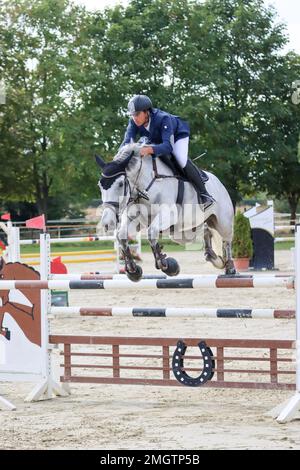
[[144, 417]]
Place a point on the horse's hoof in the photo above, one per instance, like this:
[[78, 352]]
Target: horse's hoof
[[230, 271], [172, 268], [136, 275], [218, 262]]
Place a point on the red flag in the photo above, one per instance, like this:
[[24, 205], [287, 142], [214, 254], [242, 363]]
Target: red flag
[[36, 222], [6, 216], [57, 267]]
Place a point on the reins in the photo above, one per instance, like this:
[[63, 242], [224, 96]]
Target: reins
[[141, 194], [157, 175]]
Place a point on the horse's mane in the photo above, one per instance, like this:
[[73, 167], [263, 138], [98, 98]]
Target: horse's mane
[[125, 151], [126, 158]]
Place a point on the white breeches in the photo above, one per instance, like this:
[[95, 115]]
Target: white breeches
[[181, 151]]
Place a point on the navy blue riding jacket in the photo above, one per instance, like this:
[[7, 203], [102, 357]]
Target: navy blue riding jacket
[[165, 129]]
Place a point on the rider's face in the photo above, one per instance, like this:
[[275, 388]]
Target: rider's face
[[140, 118]]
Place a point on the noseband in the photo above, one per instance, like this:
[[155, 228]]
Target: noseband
[[115, 206]]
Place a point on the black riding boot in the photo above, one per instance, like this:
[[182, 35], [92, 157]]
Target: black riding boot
[[193, 175]]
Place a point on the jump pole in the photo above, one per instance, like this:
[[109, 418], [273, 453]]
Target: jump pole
[[198, 282], [70, 240], [98, 276], [286, 411], [179, 312]]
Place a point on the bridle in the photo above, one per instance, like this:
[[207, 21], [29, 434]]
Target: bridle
[[140, 194], [116, 205], [113, 205]]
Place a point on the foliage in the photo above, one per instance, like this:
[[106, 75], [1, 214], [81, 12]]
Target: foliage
[[39, 118], [276, 162], [69, 74], [242, 243]]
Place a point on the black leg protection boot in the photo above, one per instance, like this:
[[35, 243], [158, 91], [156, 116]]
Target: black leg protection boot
[[192, 174]]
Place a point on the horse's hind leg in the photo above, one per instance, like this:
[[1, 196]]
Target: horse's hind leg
[[209, 253], [227, 255], [219, 262]]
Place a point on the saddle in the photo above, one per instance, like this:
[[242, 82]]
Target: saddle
[[171, 162]]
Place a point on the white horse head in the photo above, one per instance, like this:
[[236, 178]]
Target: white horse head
[[113, 183]]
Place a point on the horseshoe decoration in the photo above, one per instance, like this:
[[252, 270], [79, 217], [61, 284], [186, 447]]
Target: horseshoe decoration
[[178, 365]]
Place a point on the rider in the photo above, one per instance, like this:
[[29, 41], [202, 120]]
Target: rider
[[169, 134]]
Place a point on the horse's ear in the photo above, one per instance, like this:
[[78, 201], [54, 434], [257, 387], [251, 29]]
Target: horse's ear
[[127, 160], [100, 161]]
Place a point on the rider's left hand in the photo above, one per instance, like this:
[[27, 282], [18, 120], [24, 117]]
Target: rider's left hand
[[146, 150]]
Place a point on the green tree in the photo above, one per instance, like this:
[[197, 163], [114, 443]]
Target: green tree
[[276, 124], [70, 73], [243, 44], [41, 116], [210, 63]]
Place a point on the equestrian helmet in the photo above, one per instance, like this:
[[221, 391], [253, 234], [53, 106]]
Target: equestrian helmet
[[139, 103]]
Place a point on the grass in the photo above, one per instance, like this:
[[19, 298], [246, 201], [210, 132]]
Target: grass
[[169, 245], [284, 246], [97, 245]]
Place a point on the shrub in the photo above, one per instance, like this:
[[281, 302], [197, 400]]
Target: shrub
[[242, 243]]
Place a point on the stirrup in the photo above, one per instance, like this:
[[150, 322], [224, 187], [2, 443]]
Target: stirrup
[[143, 194], [207, 204], [209, 201]]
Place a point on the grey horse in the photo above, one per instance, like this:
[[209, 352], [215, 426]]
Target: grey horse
[[139, 193]]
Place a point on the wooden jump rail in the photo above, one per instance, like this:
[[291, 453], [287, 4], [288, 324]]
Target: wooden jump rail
[[199, 312], [100, 276], [120, 352], [198, 282]]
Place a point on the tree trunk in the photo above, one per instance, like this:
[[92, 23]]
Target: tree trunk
[[42, 193], [42, 204], [293, 202]]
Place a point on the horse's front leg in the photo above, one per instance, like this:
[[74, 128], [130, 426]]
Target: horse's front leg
[[166, 217], [127, 229]]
